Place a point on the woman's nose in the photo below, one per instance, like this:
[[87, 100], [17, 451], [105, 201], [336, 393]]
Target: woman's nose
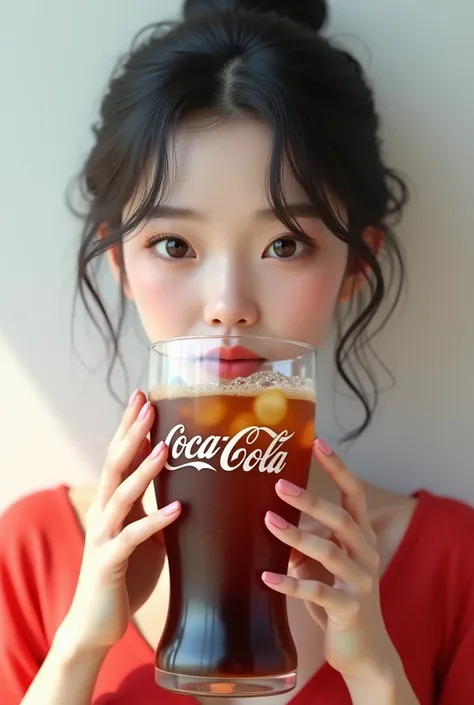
[[231, 305], [228, 316]]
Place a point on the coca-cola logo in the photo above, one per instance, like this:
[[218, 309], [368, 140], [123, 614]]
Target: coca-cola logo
[[197, 450]]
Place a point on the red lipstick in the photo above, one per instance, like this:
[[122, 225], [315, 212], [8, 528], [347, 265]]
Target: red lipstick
[[232, 362]]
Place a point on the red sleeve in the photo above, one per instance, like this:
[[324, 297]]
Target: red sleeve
[[458, 684], [456, 675], [23, 644]]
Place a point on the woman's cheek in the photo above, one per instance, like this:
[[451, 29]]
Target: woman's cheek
[[163, 301], [304, 310]]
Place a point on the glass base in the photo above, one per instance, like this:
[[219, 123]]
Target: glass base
[[226, 687]]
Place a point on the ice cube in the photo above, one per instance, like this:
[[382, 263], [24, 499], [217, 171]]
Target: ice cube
[[307, 434], [210, 411], [270, 406]]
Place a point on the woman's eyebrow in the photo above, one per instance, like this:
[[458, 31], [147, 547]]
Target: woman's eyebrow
[[297, 210], [300, 210], [164, 211]]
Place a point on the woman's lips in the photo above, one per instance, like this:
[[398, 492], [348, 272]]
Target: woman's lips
[[231, 369], [232, 362]]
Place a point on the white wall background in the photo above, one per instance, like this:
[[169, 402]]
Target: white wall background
[[56, 417]]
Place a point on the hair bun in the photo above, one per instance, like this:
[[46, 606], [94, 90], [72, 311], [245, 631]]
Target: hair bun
[[312, 13]]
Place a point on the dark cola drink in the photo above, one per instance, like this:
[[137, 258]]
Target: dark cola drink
[[227, 450]]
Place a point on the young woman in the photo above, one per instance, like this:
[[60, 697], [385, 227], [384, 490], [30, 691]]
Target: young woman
[[236, 185]]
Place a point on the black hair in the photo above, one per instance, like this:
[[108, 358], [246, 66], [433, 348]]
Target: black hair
[[264, 58]]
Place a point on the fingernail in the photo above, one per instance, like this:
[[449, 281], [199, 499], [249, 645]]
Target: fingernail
[[277, 520], [132, 399], [157, 450], [289, 488], [324, 447], [272, 578], [171, 509], [144, 411]]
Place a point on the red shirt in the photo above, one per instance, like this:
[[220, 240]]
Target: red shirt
[[427, 595]]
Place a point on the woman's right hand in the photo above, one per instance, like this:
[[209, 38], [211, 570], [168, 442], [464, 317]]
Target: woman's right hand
[[117, 527]]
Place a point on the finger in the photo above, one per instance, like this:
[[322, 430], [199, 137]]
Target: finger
[[109, 482], [351, 487], [326, 552], [130, 491], [120, 456], [335, 602], [333, 516], [304, 568], [318, 614], [296, 559], [135, 404], [143, 453], [139, 531], [138, 511]]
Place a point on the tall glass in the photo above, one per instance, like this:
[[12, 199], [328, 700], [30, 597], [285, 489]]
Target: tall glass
[[237, 414]]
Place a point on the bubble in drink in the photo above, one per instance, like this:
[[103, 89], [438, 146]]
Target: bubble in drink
[[223, 621]]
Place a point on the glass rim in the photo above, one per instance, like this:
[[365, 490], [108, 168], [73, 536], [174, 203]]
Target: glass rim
[[188, 338]]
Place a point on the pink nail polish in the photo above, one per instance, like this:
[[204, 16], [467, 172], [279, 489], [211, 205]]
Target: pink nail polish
[[132, 399], [289, 488], [157, 450], [272, 578], [171, 509], [144, 411], [277, 521], [324, 447]]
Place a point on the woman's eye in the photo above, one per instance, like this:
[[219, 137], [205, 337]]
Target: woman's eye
[[284, 248], [173, 248]]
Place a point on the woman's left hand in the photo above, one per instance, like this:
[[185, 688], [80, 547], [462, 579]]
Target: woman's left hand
[[348, 609]]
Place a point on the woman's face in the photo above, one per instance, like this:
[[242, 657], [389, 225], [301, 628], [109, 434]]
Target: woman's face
[[215, 259]]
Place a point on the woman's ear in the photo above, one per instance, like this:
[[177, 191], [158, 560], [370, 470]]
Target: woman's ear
[[357, 271], [113, 256]]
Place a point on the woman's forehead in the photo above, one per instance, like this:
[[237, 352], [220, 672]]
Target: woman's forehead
[[219, 169], [228, 160]]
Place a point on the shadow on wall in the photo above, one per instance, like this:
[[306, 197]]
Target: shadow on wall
[[37, 449]]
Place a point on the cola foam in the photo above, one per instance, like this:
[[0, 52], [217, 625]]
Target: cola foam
[[292, 387]]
